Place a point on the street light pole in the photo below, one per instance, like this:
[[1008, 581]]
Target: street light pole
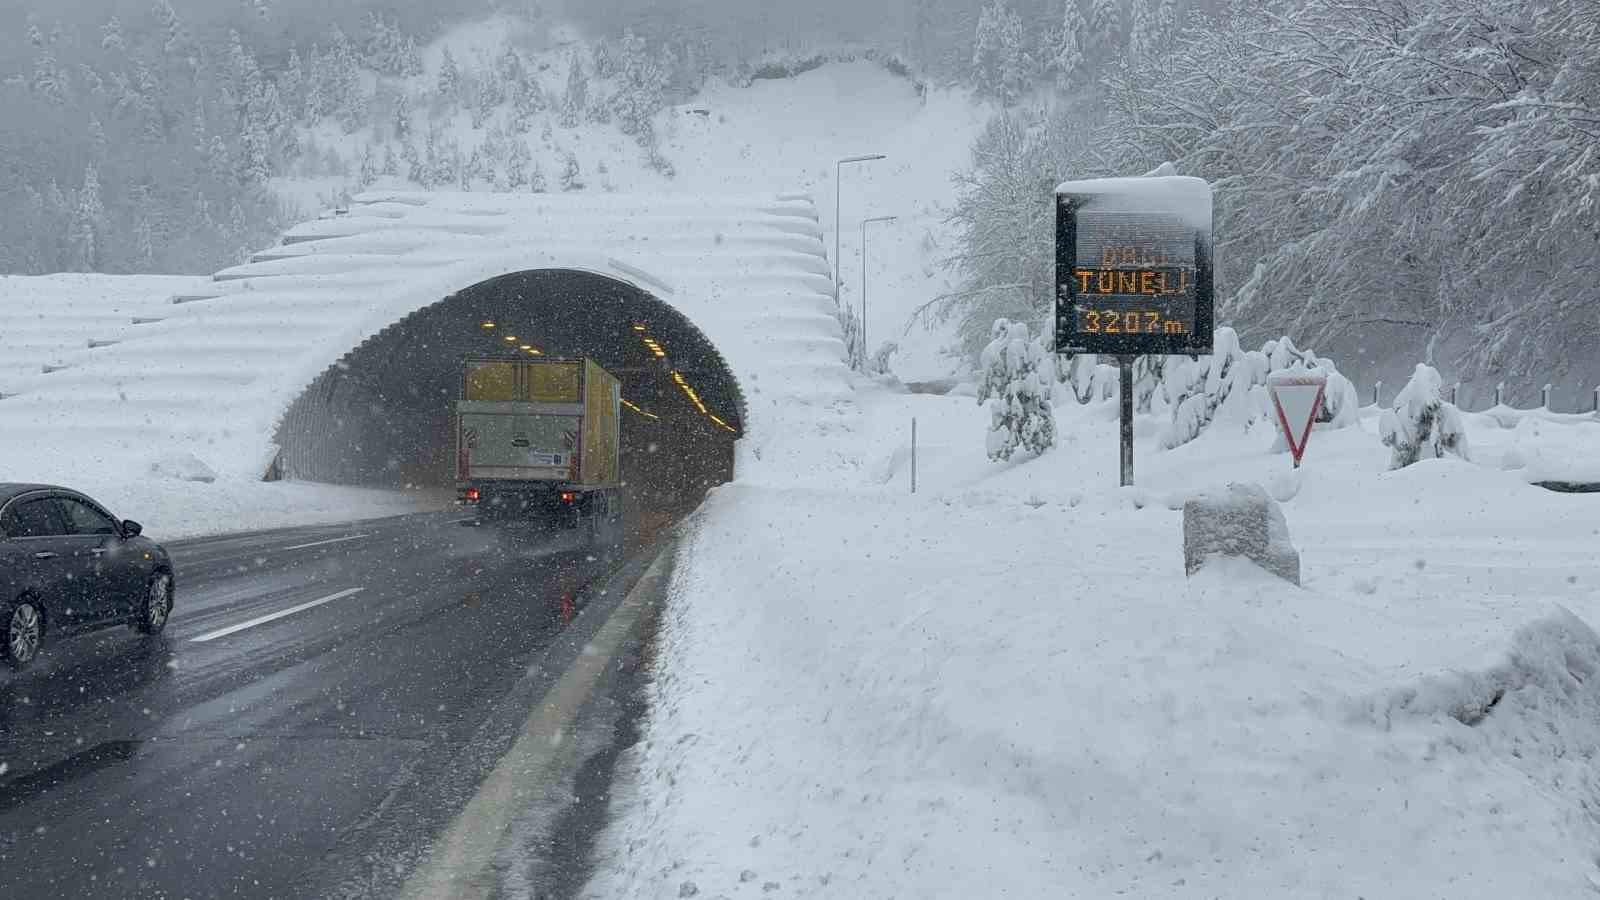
[[865, 347], [838, 197]]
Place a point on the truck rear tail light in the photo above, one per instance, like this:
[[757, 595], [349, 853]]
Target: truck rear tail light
[[568, 496], [473, 495]]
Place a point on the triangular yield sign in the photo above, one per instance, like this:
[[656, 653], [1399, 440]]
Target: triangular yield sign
[[1298, 399]]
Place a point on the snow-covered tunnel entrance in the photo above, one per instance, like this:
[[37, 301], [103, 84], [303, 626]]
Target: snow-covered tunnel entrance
[[381, 416], [333, 356]]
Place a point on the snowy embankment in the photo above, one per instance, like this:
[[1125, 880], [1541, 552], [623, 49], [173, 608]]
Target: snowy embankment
[[1005, 686], [60, 321]]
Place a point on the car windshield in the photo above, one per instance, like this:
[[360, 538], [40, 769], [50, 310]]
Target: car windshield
[[733, 448]]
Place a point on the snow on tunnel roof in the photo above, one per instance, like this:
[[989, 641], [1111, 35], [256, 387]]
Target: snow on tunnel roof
[[211, 369]]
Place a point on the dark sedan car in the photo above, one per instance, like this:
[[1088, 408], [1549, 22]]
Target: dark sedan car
[[67, 566]]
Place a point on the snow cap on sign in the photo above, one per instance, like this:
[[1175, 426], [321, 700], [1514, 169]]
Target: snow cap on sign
[[1297, 396], [1184, 196]]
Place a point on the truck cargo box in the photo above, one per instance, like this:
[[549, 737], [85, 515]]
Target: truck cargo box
[[550, 421]]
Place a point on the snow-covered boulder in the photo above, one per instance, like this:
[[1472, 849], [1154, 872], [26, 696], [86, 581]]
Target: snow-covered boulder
[[1421, 425], [182, 467], [1238, 520]]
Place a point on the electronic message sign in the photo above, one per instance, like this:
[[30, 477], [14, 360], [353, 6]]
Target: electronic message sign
[[1133, 266]]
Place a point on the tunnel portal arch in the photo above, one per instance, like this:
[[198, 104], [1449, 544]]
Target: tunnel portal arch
[[381, 415]]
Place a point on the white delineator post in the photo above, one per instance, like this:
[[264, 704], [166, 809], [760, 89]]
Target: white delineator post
[[1297, 398], [913, 456]]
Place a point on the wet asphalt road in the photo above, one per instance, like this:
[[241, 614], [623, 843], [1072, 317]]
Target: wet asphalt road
[[309, 755]]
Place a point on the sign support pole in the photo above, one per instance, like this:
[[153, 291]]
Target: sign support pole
[[1125, 384]]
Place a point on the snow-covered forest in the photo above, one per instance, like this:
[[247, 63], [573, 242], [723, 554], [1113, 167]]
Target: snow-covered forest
[[1400, 176], [1416, 176]]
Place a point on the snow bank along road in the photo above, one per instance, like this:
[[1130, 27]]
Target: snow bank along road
[[324, 702]]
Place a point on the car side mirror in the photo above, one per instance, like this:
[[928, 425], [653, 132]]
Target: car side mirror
[[130, 528]]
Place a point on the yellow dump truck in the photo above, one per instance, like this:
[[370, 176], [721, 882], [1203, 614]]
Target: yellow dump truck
[[540, 439]]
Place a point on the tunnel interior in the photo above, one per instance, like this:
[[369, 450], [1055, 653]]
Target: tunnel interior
[[383, 415]]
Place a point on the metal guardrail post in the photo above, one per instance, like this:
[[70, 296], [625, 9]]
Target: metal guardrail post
[[1500, 394], [1544, 397]]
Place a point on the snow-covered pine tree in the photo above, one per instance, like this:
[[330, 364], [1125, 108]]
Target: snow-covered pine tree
[[1143, 28], [144, 245], [642, 83], [391, 162], [446, 163], [416, 170], [219, 161], [994, 372], [342, 70], [491, 91], [1000, 63], [292, 84], [1079, 376], [283, 138], [431, 162], [477, 164], [174, 42], [88, 220], [402, 117], [49, 78], [242, 76], [410, 57], [536, 180], [98, 142], [449, 84], [317, 100], [605, 61], [485, 100], [497, 145], [112, 39], [517, 176], [255, 165], [388, 51], [575, 103], [369, 168], [527, 101], [1421, 425], [1105, 25], [1020, 413], [1067, 60], [653, 157], [571, 174]]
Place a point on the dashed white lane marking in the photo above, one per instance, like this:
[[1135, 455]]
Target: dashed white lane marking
[[272, 617], [337, 540]]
